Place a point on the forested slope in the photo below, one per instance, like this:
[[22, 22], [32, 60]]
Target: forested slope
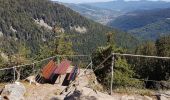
[[153, 31], [29, 28]]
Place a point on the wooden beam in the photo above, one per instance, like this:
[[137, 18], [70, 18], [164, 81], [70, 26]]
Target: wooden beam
[[143, 56], [111, 84]]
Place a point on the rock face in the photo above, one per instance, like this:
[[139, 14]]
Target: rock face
[[163, 95], [14, 91], [43, 24], [79, 29]]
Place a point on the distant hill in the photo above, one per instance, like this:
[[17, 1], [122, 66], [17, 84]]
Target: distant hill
[[140, 18], [33, 24], [97, 14], [145, 19], [153, 31], [147, 24], [105, 12], [127, 6]]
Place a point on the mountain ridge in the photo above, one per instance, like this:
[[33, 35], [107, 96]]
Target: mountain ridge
[[146, 24]]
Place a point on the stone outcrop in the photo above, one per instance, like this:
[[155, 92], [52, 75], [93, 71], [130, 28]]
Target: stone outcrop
[[14, 91], [81, 89], [78, 29], [163, 95], [43, 24]]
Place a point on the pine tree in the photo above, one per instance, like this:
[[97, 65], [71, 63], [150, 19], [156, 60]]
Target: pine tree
[[64, 46]]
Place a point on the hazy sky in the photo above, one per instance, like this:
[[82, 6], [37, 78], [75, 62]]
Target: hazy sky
[[83, 1]]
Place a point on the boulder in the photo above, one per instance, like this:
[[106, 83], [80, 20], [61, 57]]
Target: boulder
[[84, 93], [163, 98], [1, 98], [163, 95], [147, 98], [14, 91]]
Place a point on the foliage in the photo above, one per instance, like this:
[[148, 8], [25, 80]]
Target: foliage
[[152, 68], [128, 70], [145, 66], [64, 46], [148, 48], [123, 72], [153, 30], [2, 62], [163, 46]]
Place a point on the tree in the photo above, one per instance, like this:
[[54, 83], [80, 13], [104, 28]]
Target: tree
[[123, 72], [148, 48], [64, 45], [152, 68], [145, 66], [163, 46], [163, 49], [22, 56]]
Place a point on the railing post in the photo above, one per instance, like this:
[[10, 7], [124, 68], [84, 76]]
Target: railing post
[[14, 73], [111, 84], [18, 74], [91, 63]]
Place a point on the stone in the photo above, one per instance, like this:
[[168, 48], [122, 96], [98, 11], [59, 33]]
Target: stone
[[163, 98], [126, 97], [1, 98], [163, 95], [14, 91], [147, 98]]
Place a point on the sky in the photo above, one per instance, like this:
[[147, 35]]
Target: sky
[[85, 1]]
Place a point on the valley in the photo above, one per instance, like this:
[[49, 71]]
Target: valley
[[134, 17]]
